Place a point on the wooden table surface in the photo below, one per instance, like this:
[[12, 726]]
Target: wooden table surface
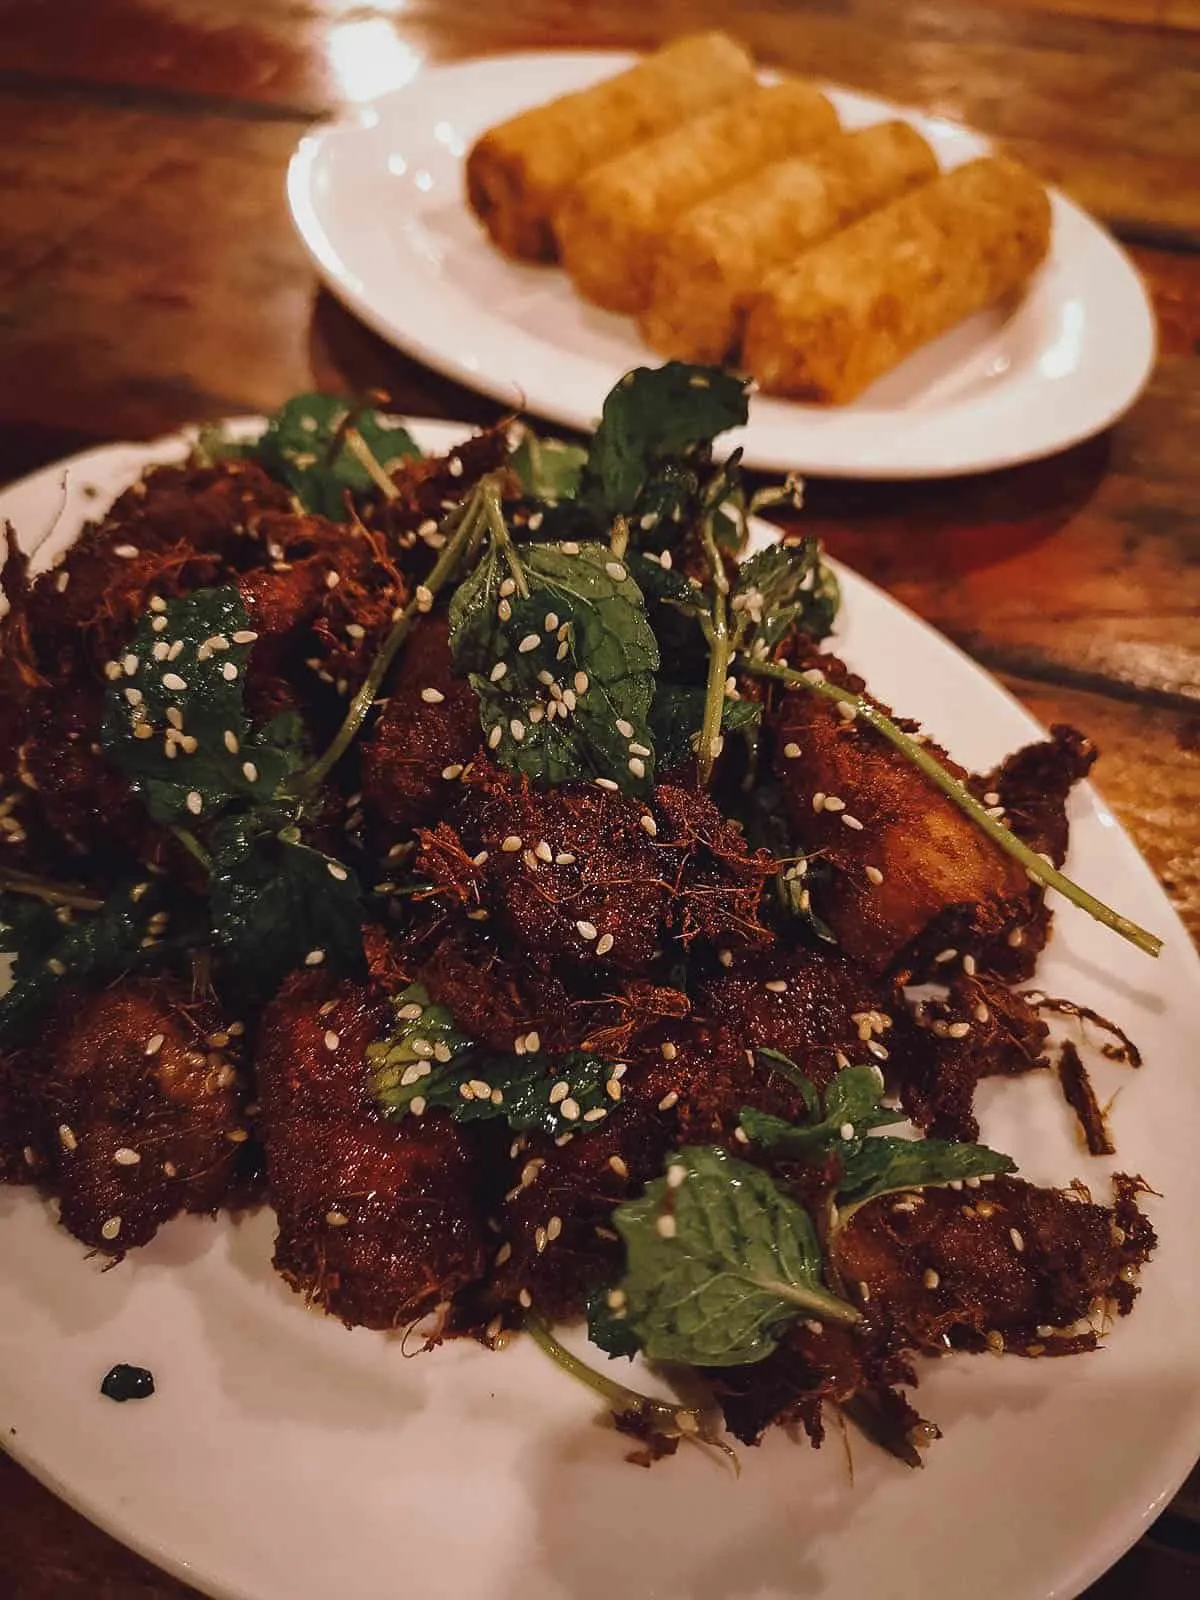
[[149, 276]]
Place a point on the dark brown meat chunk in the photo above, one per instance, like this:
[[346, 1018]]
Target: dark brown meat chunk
[[928, 862], [128, 1109], [412, 763], [1005, 1265], [981, 1029], [496, 1001], [377, 1221], [815, 1007]]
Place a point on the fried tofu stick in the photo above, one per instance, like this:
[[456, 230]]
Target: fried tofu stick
[[518, 171], [614, 222], [716, 256], [854, 306]]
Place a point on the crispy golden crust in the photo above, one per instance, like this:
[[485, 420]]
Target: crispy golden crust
[[518, 171], [616, 218], [853, 307], [714, 257]]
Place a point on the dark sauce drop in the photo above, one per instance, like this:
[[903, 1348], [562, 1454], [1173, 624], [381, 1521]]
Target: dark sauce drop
[[128, 1383]]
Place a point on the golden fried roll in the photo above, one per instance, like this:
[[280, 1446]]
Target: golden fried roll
[[612, 224], [716, 256], [518, 171], [854, 306]]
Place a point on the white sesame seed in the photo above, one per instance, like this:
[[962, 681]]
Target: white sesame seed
[[725, 957], [607, 783], [580, 684], [314, 958], [569, 1109], [615, 571], [432, 697], [125, 1157], [332, 579], [791, 751], [528, 643], [1015, 939], [66, 1137], [1018, 1242], [586, 930], [525, 1298], [669, 1051], [563, 651], [511, 844], [604, 944], [517, 728], [134, 696], [852, 822], [818, 801], [424, 598], [648, 825], [637, 766], [551, 621], [833, 802], [847, 711], [244, 636], [174, 651], [968, 965], [498, 671], [874, 874], [158, 624], [991, 798], [336, 1219], [618, 1166], [112, 670], [625, 729], [504, 611], [776, 985], [945, 955], [495, 736], [111, 1228], [553, 1228], [172, 681], [846, 1131], [676, 1175], [668, 1100], [417, 1105], [931, 1279], [127, 552], [331, 1040], [454, 770], [195, 803], [666, 1225]]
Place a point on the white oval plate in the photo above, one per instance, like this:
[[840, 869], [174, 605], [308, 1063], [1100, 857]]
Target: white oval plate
[[378, 200], [284, 1458]]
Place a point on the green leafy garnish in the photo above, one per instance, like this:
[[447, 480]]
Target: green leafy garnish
[[278, 905], [174, 720], [850, 1108], [783, 587], [94, 948], [561, 654], [548, 469], [882, 1166], [720, 1262], [608, 1323], [427, 1062], [655, 416], [320, 446], [675, 717]]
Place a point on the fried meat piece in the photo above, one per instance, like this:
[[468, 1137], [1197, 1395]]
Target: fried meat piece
[[496, 1001], [1005, 1266], [586, 882], [128, 1109], [858, 804], [557, 1216], [377, 1220], [817, 1008], [427, 733], [981, 1029]]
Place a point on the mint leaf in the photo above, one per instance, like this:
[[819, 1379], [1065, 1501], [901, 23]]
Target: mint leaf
[[653, 415], [305, 447], [850, 1109], [608, 1326], [720, 1262], [574, 702], [784, 586], [676, 715], [548, 469], [93, 947], [277, 906], [427, 1062], [881, 1166], [174, 721]]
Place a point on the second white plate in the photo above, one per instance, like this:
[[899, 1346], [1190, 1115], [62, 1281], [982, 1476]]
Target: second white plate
[[378, 200]]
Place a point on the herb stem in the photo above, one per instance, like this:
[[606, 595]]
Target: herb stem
[[363, 454], [955, 790], [54, 894], [499, 531], [193, 846], [667, 1418], [464, 522], [718, 660]]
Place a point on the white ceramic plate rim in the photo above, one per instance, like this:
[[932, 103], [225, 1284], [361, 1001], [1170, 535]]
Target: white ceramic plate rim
[[120, 1471], [1095, 364]]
